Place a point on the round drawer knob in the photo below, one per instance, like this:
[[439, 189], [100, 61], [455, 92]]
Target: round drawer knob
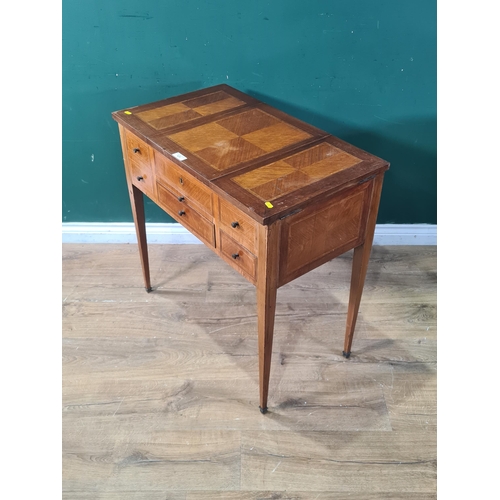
[[181, 213], [140, 178], [181, 198], [235, 255], [235, 224], [136, 150]]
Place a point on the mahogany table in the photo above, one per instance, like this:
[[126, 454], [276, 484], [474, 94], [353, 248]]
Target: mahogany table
[[271, 195]]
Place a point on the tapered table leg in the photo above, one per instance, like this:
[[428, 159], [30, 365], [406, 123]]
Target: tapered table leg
[[137, 204], [360, 265], [267, 286], [266, 307]]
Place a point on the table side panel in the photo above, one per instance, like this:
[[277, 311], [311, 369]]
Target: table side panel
[[322, 231]]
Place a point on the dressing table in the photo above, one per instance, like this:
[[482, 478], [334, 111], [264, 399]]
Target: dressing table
[[272, 196]]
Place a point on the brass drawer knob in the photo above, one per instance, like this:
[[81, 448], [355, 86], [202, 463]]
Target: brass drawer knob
[[235, 255], [136, 150], [140, 178], [235, 224], [181, 213]]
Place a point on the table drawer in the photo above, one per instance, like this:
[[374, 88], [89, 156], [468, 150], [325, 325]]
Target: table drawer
[[238, 256], [187, 216], [142, 177], [238, 225], [138, 151], [169, 174]]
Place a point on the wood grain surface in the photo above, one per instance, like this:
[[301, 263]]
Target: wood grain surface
[[246, 151], [160, 390], [183, 211]]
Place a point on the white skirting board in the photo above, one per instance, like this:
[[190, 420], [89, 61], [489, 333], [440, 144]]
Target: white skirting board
[[124, 232]]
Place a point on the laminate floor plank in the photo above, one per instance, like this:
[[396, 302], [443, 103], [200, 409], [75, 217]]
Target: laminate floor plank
[[304, 495], [187, 404], [345, 461], [174, 460], [123, 495]]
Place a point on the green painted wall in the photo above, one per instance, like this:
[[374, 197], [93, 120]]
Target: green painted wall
[[362, 70]]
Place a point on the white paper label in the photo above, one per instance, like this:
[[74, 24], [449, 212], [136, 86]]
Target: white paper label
[[179, 156]]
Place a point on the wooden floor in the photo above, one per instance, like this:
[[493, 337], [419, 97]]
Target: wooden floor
[[160, 390]]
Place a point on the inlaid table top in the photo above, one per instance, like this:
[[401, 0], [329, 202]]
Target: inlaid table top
[[267, 162]]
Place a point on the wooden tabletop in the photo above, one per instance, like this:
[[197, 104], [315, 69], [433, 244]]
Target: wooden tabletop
[[263, 160]]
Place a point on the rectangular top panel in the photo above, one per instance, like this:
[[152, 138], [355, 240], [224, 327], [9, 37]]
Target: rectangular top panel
[[168, 115], [292, 180], [253, 154], [218, 129]]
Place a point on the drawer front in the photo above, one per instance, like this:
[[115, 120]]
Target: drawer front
[[187, 216], [239, 257], [142, 177], [138, 151], [177, 180], [238, 225]]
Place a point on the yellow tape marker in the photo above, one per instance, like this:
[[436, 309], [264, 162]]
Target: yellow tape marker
[[269, 204], [127, 112]]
